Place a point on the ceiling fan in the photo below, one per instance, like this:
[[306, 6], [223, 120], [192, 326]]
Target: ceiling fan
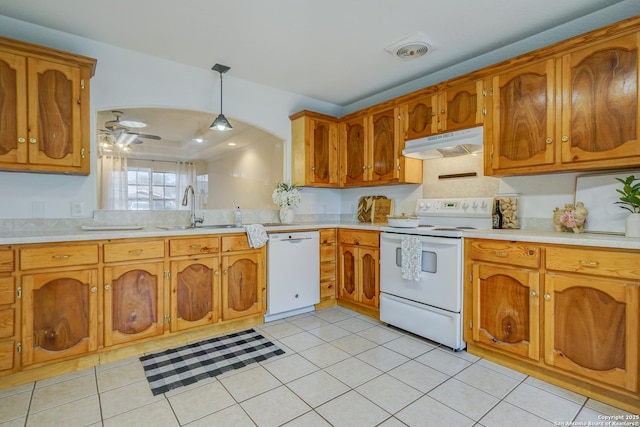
[[118, 132]]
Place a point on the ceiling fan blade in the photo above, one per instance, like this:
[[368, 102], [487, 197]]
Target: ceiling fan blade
[[144, 135], [137, 141]]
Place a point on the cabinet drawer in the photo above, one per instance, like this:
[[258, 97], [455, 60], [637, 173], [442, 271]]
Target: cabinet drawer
[[128, 251], [6, 355], [7, 323], [199, 246], [327, 271], [611, 264], [6, 261], [235, 243], [504, 252], [327, 253], [358, 237], [328, 289], [7, 290], [327, 236], [58, 256]]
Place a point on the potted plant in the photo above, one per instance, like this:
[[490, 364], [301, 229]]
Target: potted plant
[[286, 196], [630, 200]]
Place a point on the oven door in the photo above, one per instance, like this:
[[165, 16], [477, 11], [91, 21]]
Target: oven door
[[440, 283]]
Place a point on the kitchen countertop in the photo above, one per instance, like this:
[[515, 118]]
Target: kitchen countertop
[[78, 234], [537, 236]]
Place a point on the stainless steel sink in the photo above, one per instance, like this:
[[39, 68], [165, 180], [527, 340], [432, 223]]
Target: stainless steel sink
[[174, 227], [188, 227]]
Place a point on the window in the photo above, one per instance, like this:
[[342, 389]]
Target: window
[[151, 190]]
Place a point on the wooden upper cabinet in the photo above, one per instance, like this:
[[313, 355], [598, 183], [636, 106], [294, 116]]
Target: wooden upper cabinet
[[13, 104], [353, 152], [456, 108], [371, 151], [461, 107], [44, 108], [523, 122], [422, 117], [314, 147], [600, 104], [383, 154]]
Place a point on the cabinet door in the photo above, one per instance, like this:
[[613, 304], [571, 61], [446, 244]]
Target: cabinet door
[[591, 328], [461, 107], [506, 310], [422, 117], [523, 118], [133, 302], [195, 293], [323, 153], [55, 137], [60, 315], [382, 158], [242, 285], [368, 266], [348, 278], [353, 152], [600, 103], [13, 108]]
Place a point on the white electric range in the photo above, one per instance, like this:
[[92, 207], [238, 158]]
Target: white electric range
[[430, 306]]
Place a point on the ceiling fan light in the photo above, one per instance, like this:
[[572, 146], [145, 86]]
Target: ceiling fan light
[[221, 123], [133, 124]]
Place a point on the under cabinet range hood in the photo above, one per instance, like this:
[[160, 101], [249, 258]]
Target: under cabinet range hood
[[467, 141]]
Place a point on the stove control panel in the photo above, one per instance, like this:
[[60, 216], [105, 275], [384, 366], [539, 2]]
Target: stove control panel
[[479, 207]]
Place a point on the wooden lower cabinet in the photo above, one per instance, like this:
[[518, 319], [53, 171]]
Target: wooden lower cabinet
[[133, 302], [359, 267], [195, 292], [60, 315], [591, 328], [573, 320], [328, 264], [505, 309], [243, 284], [9, 314]]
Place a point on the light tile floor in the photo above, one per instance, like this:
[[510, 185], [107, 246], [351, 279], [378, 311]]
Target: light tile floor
[[340, 369]]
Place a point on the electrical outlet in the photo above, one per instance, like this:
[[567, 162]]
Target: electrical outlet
[[77, 209]]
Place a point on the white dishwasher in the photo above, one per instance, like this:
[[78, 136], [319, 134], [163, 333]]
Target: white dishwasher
[[293, 274]]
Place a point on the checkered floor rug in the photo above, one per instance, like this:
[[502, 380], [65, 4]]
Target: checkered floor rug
[[193, 362]]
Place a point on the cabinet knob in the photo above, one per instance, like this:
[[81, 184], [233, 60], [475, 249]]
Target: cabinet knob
[[442, 111], [107, 287], [94, 289], [433, 113], [224, 272], [217, 273], [21, 140], [33, 140], [533, 293], [565, 138], [548, 140], [547, 297]]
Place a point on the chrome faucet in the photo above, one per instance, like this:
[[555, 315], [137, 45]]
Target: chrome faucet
[[194, 219]]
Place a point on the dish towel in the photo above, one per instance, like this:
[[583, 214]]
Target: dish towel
[[257, 235], [411, 252]]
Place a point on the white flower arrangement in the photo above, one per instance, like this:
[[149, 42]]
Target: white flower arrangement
[[286, 195]]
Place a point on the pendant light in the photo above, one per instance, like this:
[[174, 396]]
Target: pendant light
[[221, 123]]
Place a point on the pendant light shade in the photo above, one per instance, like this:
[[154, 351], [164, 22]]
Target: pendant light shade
[[221, 123]]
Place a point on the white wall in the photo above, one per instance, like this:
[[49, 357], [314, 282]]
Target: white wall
[[127, 78]]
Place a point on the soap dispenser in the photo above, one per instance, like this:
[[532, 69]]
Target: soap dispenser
[[238, 217]]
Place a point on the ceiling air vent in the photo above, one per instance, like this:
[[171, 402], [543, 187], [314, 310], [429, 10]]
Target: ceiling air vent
[[411, 47]]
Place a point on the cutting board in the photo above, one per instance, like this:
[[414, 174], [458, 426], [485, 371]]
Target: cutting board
[[380, 209], [365, 206], [598, 193]]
